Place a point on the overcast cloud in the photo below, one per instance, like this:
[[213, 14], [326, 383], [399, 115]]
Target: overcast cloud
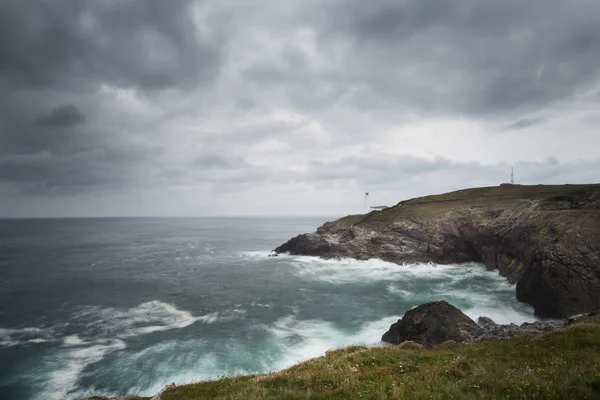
[[229, 107]]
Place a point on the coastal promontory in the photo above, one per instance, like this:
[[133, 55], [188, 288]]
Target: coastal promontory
[[546, 239]]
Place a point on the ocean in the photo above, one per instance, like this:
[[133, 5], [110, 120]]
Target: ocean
[[114, 306]]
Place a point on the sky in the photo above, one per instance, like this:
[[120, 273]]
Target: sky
[[289, 107]]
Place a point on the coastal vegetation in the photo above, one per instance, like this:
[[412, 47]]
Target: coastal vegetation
[[564, 364]]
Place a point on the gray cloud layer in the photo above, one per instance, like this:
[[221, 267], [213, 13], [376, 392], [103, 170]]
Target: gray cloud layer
[[203, 107]]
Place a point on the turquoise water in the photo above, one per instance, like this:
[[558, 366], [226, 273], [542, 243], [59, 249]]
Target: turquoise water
[[116, 306]]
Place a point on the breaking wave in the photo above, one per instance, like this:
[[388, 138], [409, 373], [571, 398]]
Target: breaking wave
[[103, 331], [470, 287], [299, 340], [66, 368], [152, 316], [352, 271]]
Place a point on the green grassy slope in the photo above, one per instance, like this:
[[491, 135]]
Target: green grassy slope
[[497, 196], [558, 365]]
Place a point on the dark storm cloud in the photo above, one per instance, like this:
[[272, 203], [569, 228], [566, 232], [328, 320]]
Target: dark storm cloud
[[55, 55], [151, 44], [62, 116], [468, 56], [81, 172]]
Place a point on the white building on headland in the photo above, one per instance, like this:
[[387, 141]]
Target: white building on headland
[[379, 208]]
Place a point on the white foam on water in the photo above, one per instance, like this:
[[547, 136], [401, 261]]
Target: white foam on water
[[201, 370], [222, 316], [61, 371], [184, 362], [73, 340], [260, 305], [371, 332], [5, 332], [394, 289], [66, 366], [38, 341], [258, 255], [149, 317], [210, 318], [300, 340], [181, 362], [468, 283], [356, 271], [10, 337], [502, 315]]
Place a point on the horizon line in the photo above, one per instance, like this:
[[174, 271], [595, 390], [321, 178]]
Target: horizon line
[[174, 216]]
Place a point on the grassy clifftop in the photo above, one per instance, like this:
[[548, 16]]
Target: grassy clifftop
[[513, 196], [559, 365]]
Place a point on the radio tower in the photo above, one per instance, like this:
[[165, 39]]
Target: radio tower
[[512, 175]]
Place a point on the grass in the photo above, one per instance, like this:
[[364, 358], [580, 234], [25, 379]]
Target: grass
[[430, 206], [559, 365]]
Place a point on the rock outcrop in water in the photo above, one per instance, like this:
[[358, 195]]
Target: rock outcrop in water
[[546, 239], [431, 324], [437, 322]]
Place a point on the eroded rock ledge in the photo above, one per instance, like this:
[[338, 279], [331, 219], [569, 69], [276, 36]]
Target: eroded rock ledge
[[546, 239]]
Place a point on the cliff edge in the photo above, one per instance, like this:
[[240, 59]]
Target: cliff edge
[[546, 239]]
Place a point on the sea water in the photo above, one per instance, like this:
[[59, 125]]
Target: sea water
[[127, 306]]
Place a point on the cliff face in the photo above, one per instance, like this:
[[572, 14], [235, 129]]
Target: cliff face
[[546, 239]]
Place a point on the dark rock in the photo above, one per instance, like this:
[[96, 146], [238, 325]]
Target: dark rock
[[498, 332], [438, 324], [431, 324], [485, 322]]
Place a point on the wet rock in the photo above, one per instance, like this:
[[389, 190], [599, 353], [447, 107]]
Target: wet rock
[[438, 324], [485, 322], [431, 324], [498, 332]]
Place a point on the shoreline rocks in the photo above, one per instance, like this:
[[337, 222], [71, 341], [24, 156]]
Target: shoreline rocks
[[436, 323], [545, 243]]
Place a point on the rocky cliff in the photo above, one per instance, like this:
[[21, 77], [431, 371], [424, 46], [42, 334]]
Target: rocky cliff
[[546, 239]]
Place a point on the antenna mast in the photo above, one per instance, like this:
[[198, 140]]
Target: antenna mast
[[512, 175]]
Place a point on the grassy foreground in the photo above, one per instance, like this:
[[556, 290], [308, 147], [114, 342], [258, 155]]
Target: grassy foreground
[[558, 365]]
